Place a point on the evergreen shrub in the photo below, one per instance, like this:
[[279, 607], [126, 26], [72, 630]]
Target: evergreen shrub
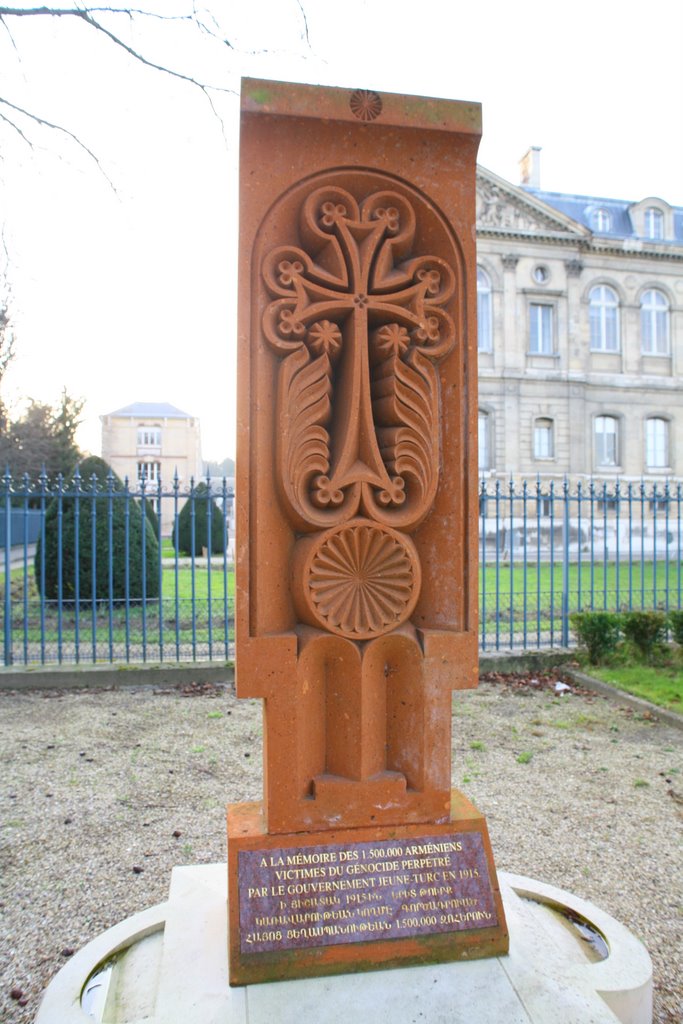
[[597, 632], [152, 518], [198, 503], [676, 625], [645, 630], [93, 573]]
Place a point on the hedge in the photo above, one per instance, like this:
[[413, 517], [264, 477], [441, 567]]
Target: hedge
[[119, 524], [195, 510]]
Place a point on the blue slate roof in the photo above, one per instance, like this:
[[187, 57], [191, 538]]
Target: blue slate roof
[[155, 410], [582, 208]]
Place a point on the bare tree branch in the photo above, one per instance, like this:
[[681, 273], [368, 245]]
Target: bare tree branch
[[86, 14], [17, 129], [58, 128], [9, 33], [203, 20], [305, 20], [58, 12]]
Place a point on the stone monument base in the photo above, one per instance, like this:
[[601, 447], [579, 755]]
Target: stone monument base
[[346, 900], [167, 965]]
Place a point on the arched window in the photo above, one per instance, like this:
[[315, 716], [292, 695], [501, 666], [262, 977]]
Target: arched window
[[654, 223], [654, 323], [484, 423], [543, 439], [606, 441], [656, 443], [601, 220], [484, 312], [603, 309]]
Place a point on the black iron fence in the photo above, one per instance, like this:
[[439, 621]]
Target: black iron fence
[[102, 571]]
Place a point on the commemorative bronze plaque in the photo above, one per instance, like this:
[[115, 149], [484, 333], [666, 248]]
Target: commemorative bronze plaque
[[356, 560], [314, 896]]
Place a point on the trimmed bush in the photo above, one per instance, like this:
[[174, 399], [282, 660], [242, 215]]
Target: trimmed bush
[[645, 630], [597, 632], [152, 518], [195, 510], [93, 573], [676, 625]]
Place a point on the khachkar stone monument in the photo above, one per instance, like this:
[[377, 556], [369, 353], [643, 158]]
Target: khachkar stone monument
[[357, 534], [356, 619]]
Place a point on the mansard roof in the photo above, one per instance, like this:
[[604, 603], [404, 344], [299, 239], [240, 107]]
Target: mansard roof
[[525, 212], [581, 209]]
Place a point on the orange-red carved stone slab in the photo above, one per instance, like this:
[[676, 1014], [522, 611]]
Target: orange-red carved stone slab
[[356, 492]]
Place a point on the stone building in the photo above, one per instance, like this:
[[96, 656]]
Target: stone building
[[580, 308], [153, 441]]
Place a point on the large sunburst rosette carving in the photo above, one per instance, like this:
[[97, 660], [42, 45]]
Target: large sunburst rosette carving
[[358, 580], [358, 425]]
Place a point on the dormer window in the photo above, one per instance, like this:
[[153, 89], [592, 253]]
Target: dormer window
[[654, 223], [601, 219], [653, 219]]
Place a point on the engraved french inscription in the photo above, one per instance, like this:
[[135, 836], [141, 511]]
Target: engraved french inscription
[[295, 897]]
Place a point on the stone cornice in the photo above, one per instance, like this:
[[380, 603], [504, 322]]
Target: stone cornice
[[632, 248], [585, 245], [561, 237]]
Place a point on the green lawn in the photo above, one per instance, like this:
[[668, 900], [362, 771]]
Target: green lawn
[[610, 586], [508, 606], [663, 685], [184, 617], [184, 582], [200, 582]]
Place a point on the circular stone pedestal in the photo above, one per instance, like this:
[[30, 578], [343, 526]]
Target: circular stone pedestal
[[569, 963]]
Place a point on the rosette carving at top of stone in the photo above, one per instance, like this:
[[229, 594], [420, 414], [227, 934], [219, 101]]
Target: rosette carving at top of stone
[[360, 320]]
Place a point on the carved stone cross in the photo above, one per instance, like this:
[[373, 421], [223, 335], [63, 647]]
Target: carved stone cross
[[360, 320]]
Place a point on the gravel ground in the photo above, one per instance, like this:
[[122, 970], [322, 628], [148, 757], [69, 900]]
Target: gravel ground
[[102, 793]]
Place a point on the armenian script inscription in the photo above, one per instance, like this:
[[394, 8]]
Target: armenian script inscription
[[325, 895]]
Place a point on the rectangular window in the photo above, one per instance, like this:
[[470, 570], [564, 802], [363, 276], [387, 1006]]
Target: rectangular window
[[545, 507], [605, 441], [540, 329], [484, 326], [150, 472], [484, 453], [656, 443], [543, 439], [149, 437]]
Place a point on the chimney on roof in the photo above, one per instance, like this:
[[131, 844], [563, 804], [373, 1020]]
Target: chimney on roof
[[530, 168]]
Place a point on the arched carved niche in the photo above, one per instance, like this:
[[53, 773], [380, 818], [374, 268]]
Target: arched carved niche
[[360, 284], [364, 290]]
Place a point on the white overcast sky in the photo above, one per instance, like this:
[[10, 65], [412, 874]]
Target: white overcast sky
[[129, 296]]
